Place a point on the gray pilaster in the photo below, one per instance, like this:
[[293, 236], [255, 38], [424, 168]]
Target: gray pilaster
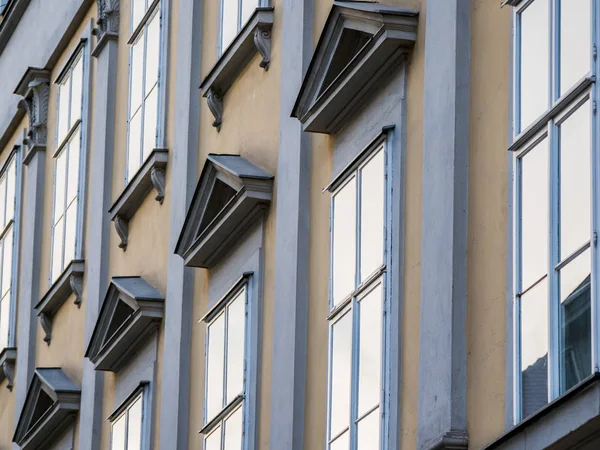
[[291, 244], [97, 250], [442, 344], [174, 413], [31, 248]]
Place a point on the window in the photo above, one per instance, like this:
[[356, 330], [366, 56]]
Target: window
[[67, 171], [554, 205], [357, 304], [234, 14], [8, 201], [226, 374], [144, 83], [127, 428]]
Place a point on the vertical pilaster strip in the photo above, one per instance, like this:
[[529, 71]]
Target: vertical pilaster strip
[[100, 182], [442, 344], [31, 248], [174, 413], [291, 242]]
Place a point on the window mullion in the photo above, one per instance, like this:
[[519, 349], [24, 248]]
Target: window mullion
[[354, 376], [595, 127], [225, 352], [65, 207], [144, 93], [554, 50]]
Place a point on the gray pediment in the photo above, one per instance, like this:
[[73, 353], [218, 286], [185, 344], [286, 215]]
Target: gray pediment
[[361, 43], [231, 193]]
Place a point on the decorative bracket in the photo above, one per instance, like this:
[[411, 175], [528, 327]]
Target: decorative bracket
[[122, 227], [8, 358], [8, 367], [108, 17], [46, 323], [34, 87], [157, 176], [262, 42], [76, 282], [215, 104]]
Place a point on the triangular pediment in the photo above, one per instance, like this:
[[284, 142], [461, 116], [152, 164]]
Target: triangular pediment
[[360, 44], [229, 192], [132, 308], [51, 405]]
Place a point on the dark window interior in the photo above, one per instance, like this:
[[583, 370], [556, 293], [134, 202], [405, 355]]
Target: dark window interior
[[43, 404], [221, 194], [350, 43], [122, 313]]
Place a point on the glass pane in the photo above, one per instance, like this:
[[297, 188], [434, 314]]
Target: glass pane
[[344, 241], [59, 185], [575, 42], [76, 91], [63, 110], [133, 162], [575, 184], [118, 434], [213, 441], [134, 435], [535, 67], [150, 122], [575, 321], [73, 181], [534, 214], [341, 443], [216, 356], [368, 432], [57, 249], [2, 201], [152, 53], [235, 346], [139, 9], [371, 216], [230, 22], [248, 7], [341, 372], [11, 182], [7, 250], [4, 321], [369, 369], [137, 74], [534, 348], [71, 232], [233, 431]]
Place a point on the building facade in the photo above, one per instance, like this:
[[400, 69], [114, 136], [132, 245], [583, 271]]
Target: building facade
[[299, 224]]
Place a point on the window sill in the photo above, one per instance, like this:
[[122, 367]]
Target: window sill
[[71, 281], [254, 37], [151, 174], [566, 418], [8, 358]]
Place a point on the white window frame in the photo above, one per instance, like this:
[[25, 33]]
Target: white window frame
[[220, 48], [15, 224], [547, 126], [81, 125], [137, 31], [241, 401], [361, 290], [142, 393]]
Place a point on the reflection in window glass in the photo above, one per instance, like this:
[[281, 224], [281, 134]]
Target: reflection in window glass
[[233, 431], [534, 61], [575, 42], [213, 440], [534, 349], [368, 431], [230, 22], [369, 365], [118, 434], [371, 216], [575, 321], [341, 443], [235, 347], [575, 184], [216, 366], [127, 429], [534, 214], [341, 369], [344, 241]]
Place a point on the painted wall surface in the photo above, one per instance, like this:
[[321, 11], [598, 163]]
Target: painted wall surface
[[488, 200]]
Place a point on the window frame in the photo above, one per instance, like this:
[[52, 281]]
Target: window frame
[[350, 304], [81, 53], [14, 155], [242, 401], [240, 25], [137, 31], [547, 126], [141, 393]]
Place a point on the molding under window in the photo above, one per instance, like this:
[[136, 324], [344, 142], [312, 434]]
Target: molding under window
[[70, 282], [254, 37], [8, 359], [150, 175]]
